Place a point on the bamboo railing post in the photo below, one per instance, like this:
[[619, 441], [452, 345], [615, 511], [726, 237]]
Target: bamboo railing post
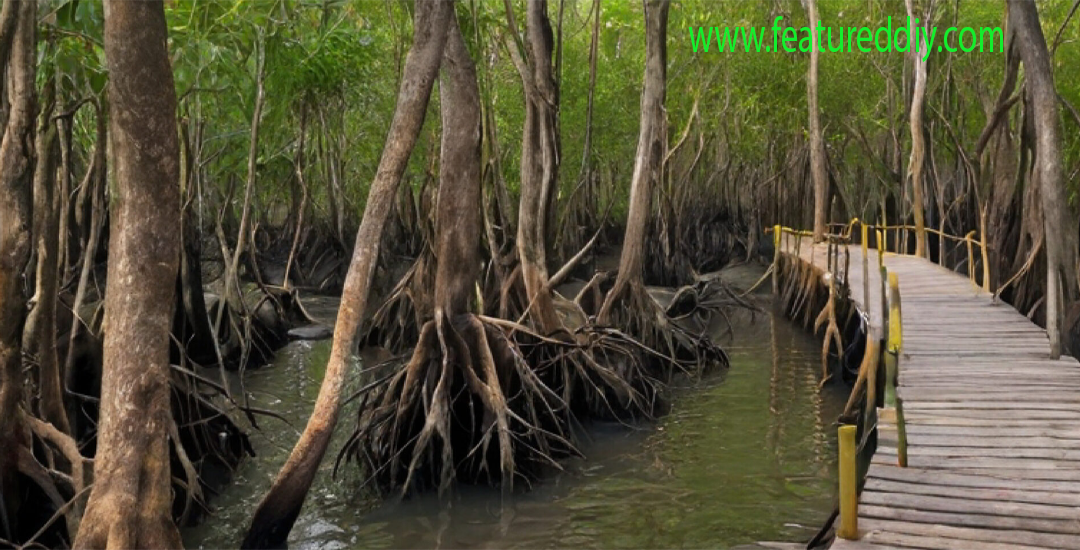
[[890, 359], [830, 245], [865, 266], [776, 260], [881, 248], [971, 256], [849, 498], [895, 345], [985, 262], [873, 355], [883, 275]]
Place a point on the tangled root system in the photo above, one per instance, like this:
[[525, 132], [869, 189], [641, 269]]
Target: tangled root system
[[485, 400], [467, 405], [671, 346], [398, 321]]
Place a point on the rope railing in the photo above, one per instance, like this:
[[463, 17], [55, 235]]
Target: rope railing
[[971, 240]]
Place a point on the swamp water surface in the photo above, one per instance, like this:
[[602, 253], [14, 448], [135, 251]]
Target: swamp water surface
[[744, 455]]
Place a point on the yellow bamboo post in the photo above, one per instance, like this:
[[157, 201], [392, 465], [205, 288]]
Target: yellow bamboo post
[[971, 256], [883, 276], [895, 341], [849, 498], [865, 266], [895, 329], [776, 260], [890, 379], [985, 262], [896, 344], [881, 246], [872, 356]]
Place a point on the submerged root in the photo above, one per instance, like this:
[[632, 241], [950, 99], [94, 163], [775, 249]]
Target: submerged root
[[466, 406], [206, 441], [601, 372], [832, 331], [485, 400], [669, 346]]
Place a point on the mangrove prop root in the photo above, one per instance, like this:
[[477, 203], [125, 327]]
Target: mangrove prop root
[[466, 405], [832, 332], [486, 400], [399, 318], [672, 346]]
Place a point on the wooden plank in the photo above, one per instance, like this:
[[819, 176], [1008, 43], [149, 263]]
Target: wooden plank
[[1030, 538], [1000, 406], [958, 519], [1064, 432], [959, 421], [1010, 481], [980, 384], [936, 541], [1056, 498], [990, 444], [968, 506], [990, 414], [1040, 468], [962, 395]]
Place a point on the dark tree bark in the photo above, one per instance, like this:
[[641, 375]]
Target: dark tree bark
[[1000, 167], [192, 326], [818, 174], [130, 504], [279, 508], [94, 192], [916, 164], [232, 295], [413, 431], [458, 214], [298, 169], [539, 160], [17, 81], [40, 331], [649, 159], [1060, 227]]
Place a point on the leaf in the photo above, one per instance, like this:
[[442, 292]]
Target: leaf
[[65, 15]]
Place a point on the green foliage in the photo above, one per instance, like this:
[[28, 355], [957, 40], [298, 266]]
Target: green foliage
[[335, 65]]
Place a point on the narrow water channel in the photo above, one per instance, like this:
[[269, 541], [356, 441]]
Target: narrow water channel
[[743, 456]]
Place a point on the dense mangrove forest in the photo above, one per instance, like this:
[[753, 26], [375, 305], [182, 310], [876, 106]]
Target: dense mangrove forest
[[376, 268]]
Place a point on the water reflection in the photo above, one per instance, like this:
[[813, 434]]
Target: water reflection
[[745, 456]]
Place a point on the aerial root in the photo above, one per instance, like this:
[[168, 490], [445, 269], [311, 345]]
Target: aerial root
[[487, 400], [466, 405], [203, 432], [671, 345], [45, 477], [801, 293], [832, 332], [397, 322]]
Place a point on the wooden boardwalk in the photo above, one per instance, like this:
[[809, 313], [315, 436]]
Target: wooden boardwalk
[[993, 424]]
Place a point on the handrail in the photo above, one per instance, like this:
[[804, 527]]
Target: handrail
[[972, 239]]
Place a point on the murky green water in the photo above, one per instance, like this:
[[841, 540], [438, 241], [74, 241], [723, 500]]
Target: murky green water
[[744, 456]]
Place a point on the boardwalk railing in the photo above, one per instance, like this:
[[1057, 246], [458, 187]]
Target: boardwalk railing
[[853, 448], [899, 233]]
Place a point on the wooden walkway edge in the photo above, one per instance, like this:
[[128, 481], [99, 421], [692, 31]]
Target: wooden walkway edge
[[993, 424]]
